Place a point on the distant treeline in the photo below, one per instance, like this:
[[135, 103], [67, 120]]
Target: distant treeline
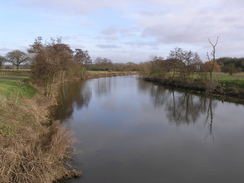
[[227, 64], [105, 64]]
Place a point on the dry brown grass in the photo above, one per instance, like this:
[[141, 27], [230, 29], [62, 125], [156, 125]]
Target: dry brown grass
[[30, 157], [37, 150]]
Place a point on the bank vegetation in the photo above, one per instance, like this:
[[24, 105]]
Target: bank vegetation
[[184, 70], [33, 146]]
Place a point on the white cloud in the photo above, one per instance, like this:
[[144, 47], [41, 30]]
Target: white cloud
[[107, 46], [73, 7], [88, 24], [110, 33], [143, 27], [139, 44]]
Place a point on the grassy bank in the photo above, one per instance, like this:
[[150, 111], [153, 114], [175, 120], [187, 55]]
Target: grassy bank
[[32, 148], [11, 90], [236, 80], [224, 86]]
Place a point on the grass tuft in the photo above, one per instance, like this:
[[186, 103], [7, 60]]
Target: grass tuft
[[6, 128]]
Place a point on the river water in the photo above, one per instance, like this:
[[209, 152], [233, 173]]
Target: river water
[[132, 131]]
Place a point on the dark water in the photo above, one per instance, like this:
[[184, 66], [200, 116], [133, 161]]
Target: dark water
[[131, 131]]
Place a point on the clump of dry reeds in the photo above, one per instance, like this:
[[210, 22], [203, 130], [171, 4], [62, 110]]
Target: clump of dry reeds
[[38, 150]]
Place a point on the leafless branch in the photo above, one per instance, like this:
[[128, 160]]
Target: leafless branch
[[214, 45]]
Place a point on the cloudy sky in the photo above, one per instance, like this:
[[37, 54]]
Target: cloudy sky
[[126, 30]]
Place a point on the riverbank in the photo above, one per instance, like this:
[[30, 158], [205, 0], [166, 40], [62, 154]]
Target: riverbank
[[129, 128], [32, 147], [222, 88]]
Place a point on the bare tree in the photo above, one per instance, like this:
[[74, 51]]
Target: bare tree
[[188, 58], [212, 58], [16, 57]]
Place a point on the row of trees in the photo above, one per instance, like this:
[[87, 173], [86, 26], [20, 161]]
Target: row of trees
[[179, 62], [18, 58], [231, 65], [105, 64], [60, 57], [184, 64], [54, 54], [50, 62]]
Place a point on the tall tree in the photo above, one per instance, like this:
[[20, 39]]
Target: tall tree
[[83, 57], [212, 58], [186, 57], [16, 57], [53, 62]]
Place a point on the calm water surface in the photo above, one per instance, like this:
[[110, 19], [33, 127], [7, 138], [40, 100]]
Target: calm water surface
[[131, 131]]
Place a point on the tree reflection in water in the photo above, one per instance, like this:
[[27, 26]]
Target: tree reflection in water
[[209, 118], [72, 95], [182, 107], [103, 86], [187, 108], [76, 95]]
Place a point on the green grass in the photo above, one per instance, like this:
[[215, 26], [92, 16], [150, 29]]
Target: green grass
[[96, 72], [11, 93], [12, 88], [226, 80], [236, 80]]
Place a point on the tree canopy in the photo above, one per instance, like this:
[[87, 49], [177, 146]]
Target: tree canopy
[[16, 57], [55, 60]]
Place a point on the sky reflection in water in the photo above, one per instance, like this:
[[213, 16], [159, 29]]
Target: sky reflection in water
[[133, 131]]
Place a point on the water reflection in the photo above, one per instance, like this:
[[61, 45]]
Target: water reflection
[[159, 95], [103, 86], [74, 95], [134, 131], [181, 107], [185, 108], [209, 117]]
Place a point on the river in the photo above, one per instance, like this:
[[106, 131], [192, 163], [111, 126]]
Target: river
[[132, 131]]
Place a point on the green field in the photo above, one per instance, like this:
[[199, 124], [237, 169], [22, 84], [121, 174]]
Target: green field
[[96, 72], [236, 80]]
